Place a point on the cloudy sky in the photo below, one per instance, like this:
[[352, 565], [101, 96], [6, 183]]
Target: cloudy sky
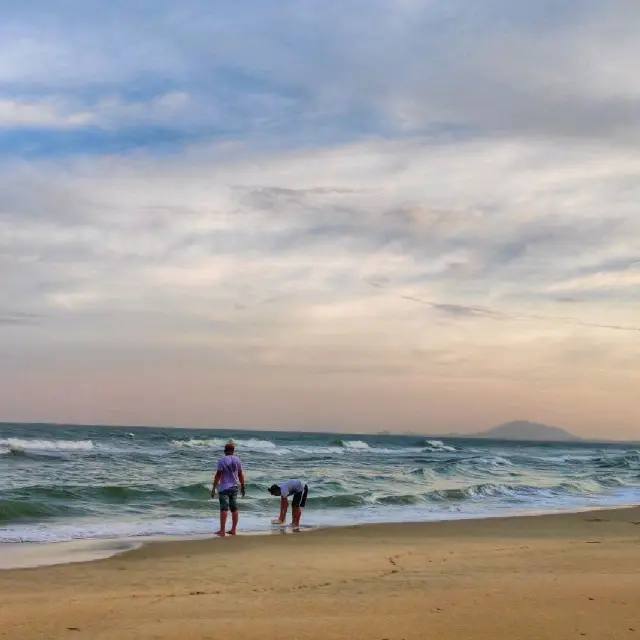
[[418, 215]]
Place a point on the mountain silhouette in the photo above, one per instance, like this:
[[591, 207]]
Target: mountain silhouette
[[525, 430]]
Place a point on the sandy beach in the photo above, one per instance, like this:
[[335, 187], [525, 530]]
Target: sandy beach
[[540, 577]]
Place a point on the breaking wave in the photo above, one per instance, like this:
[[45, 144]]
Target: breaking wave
[[19, 446], [57, 482], [251, 444], [354, 445], [438, 445], [20, 510]]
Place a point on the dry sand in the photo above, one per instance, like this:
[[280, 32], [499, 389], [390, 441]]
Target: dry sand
[[560, 576]]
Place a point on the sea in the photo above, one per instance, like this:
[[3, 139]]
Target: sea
[[64, 483]]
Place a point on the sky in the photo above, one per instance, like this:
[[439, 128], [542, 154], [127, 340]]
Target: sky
[[416, 216]]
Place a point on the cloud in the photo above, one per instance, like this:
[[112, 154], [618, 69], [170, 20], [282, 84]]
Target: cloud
[[16, 318], [330, 75], [620, 278], [343, 196], [107, 113], [15, 113], [151, 234]]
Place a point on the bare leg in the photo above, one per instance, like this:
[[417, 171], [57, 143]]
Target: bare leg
[[223, 524], [296, 513], [234, 523]]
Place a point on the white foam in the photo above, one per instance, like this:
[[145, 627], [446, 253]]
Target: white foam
[[24, 445], [137, 530], [119, 529], [311, 450], [438, 445], [252, 444], [497, 461], [355, 444]]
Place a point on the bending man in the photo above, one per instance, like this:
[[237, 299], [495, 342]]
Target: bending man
[[299, 491]]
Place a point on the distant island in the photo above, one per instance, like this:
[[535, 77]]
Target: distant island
[[524, 430]]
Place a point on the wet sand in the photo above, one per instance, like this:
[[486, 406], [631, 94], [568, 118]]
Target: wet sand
[[542, 577]]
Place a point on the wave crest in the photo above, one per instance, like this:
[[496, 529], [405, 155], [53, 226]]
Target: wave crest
[[19, 510], [252, 444], [438, 445], [354, 445], [19, 445]]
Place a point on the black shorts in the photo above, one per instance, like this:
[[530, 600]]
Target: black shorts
[[300, 498]]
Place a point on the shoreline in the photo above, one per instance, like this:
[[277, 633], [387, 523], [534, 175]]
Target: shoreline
[[34, 555], [539, 577]]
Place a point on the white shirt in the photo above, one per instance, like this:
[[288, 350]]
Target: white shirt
[[289, 487]]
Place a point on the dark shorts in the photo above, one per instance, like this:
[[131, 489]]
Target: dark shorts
[[228, 499], [300, 498]]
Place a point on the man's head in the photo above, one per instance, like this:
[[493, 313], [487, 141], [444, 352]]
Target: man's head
[[275, 490], [229, 449]]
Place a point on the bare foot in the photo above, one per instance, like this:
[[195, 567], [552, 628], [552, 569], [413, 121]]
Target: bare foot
[[220, 534], [231, 532]]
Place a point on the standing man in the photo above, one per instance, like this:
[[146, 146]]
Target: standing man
[[228, 476], [299, 491]]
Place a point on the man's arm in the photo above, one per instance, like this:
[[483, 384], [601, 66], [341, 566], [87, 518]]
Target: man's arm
[[284, 505], [216, 482], [241, 478]]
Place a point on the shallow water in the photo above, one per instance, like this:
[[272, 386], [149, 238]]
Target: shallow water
[[66, 483]]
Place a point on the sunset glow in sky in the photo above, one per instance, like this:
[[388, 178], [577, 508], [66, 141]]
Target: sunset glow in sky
[[362, 215]]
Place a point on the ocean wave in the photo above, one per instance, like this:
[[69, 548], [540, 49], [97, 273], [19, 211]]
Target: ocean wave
[[325, 452], [491, 461], [111, 494], [84, 479], [353, 445], [41, 502], [628, 460], [611, 481], [476, 493], [251, 444], [362, 499], [19, 446], [438, 445], [586, 486], [339, 501], [472, 467], [347, 446], [485, 490], [562, 459], [21, 510]]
